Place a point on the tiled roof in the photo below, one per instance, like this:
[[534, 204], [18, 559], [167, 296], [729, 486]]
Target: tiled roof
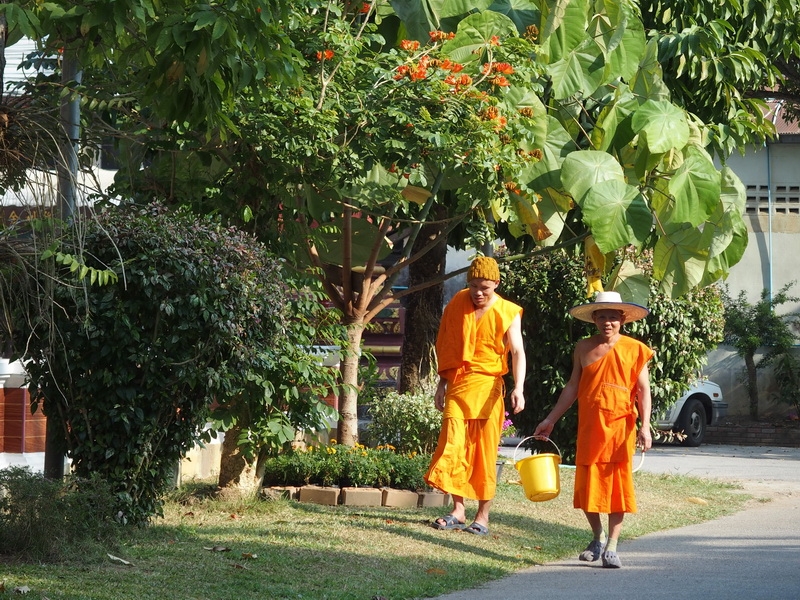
[[782, 126]]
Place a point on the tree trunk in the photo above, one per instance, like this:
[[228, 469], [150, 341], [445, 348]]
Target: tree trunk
[[347, 433], [752, 385], [423, 313], [237, 475]]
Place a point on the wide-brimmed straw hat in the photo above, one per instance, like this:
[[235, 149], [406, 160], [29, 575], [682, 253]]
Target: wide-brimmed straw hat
[[609, 301]]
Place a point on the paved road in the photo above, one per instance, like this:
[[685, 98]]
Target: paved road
[[751, 555]]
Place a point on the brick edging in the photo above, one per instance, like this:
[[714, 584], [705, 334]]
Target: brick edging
[[352, 496], [764, 434]]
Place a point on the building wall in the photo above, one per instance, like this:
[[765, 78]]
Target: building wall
[[772, 177]]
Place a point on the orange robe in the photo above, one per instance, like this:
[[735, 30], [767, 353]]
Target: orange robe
[[607, 415], [473, 357]]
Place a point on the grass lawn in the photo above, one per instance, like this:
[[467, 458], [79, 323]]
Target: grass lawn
[[210, 549]]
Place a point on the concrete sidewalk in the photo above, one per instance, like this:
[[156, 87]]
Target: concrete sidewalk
[[753, 554]]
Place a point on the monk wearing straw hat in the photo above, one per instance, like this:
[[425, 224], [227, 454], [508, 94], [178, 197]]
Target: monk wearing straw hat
[[611, 384], [477, 332]]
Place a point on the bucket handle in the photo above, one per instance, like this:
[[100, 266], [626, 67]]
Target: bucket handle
[[514, 459], [641, 462]]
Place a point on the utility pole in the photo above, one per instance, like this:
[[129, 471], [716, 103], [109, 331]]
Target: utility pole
[[67, 172]]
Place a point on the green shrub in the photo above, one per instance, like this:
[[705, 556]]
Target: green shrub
[[129, 370], [44, 520], [407, 422], [347, 466], [787, 376]]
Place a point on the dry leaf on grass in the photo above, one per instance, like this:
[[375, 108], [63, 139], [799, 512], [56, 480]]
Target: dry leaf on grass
[[249, 556], [435, 571], [695, 500], [217, 549], [119, 560]]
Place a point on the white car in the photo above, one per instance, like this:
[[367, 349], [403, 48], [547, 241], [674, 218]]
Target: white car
[[702, 405]]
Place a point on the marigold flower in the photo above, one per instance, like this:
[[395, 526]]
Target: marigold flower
[[410, 45]]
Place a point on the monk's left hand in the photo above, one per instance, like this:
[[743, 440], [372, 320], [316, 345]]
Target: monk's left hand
[[517, 401]]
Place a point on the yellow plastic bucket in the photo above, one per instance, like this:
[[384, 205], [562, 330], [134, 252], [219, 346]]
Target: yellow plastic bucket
[[539, 473]]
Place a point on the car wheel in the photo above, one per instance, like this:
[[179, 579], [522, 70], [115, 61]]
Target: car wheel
[[692, 422]]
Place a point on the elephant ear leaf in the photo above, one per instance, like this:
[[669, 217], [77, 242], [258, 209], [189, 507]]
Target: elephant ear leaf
[[662, 125], [617, 214], [584, 169]]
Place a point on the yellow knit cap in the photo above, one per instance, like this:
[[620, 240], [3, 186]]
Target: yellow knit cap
[[484, 267]]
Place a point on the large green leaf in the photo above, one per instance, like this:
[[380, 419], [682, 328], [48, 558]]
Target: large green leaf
[[612, 130], [553, 209], [679, 260], [733, 191], [419, 17], [584, 169], [581, 70], [693, 190], [662, 125], [631, 283], [617, 215], [524, 13], [475, 33], [555, 144], [647, 83], [626, 45], [719, 266], [721, 226], [456, 8], [564, 28]]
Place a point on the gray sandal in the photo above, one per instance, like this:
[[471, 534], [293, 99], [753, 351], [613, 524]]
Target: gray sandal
[[611, 560], [592, 552]]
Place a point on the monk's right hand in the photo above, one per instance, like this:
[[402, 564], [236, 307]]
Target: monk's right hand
[[544, 429]]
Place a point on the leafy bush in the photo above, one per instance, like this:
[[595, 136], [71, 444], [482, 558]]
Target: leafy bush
[[787, 377], [408, 422], [43, 520], [750, 327], [130, 370], [346, 466]]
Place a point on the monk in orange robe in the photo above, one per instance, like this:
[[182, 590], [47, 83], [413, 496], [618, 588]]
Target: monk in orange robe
[[610, 380], [476, 334]]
